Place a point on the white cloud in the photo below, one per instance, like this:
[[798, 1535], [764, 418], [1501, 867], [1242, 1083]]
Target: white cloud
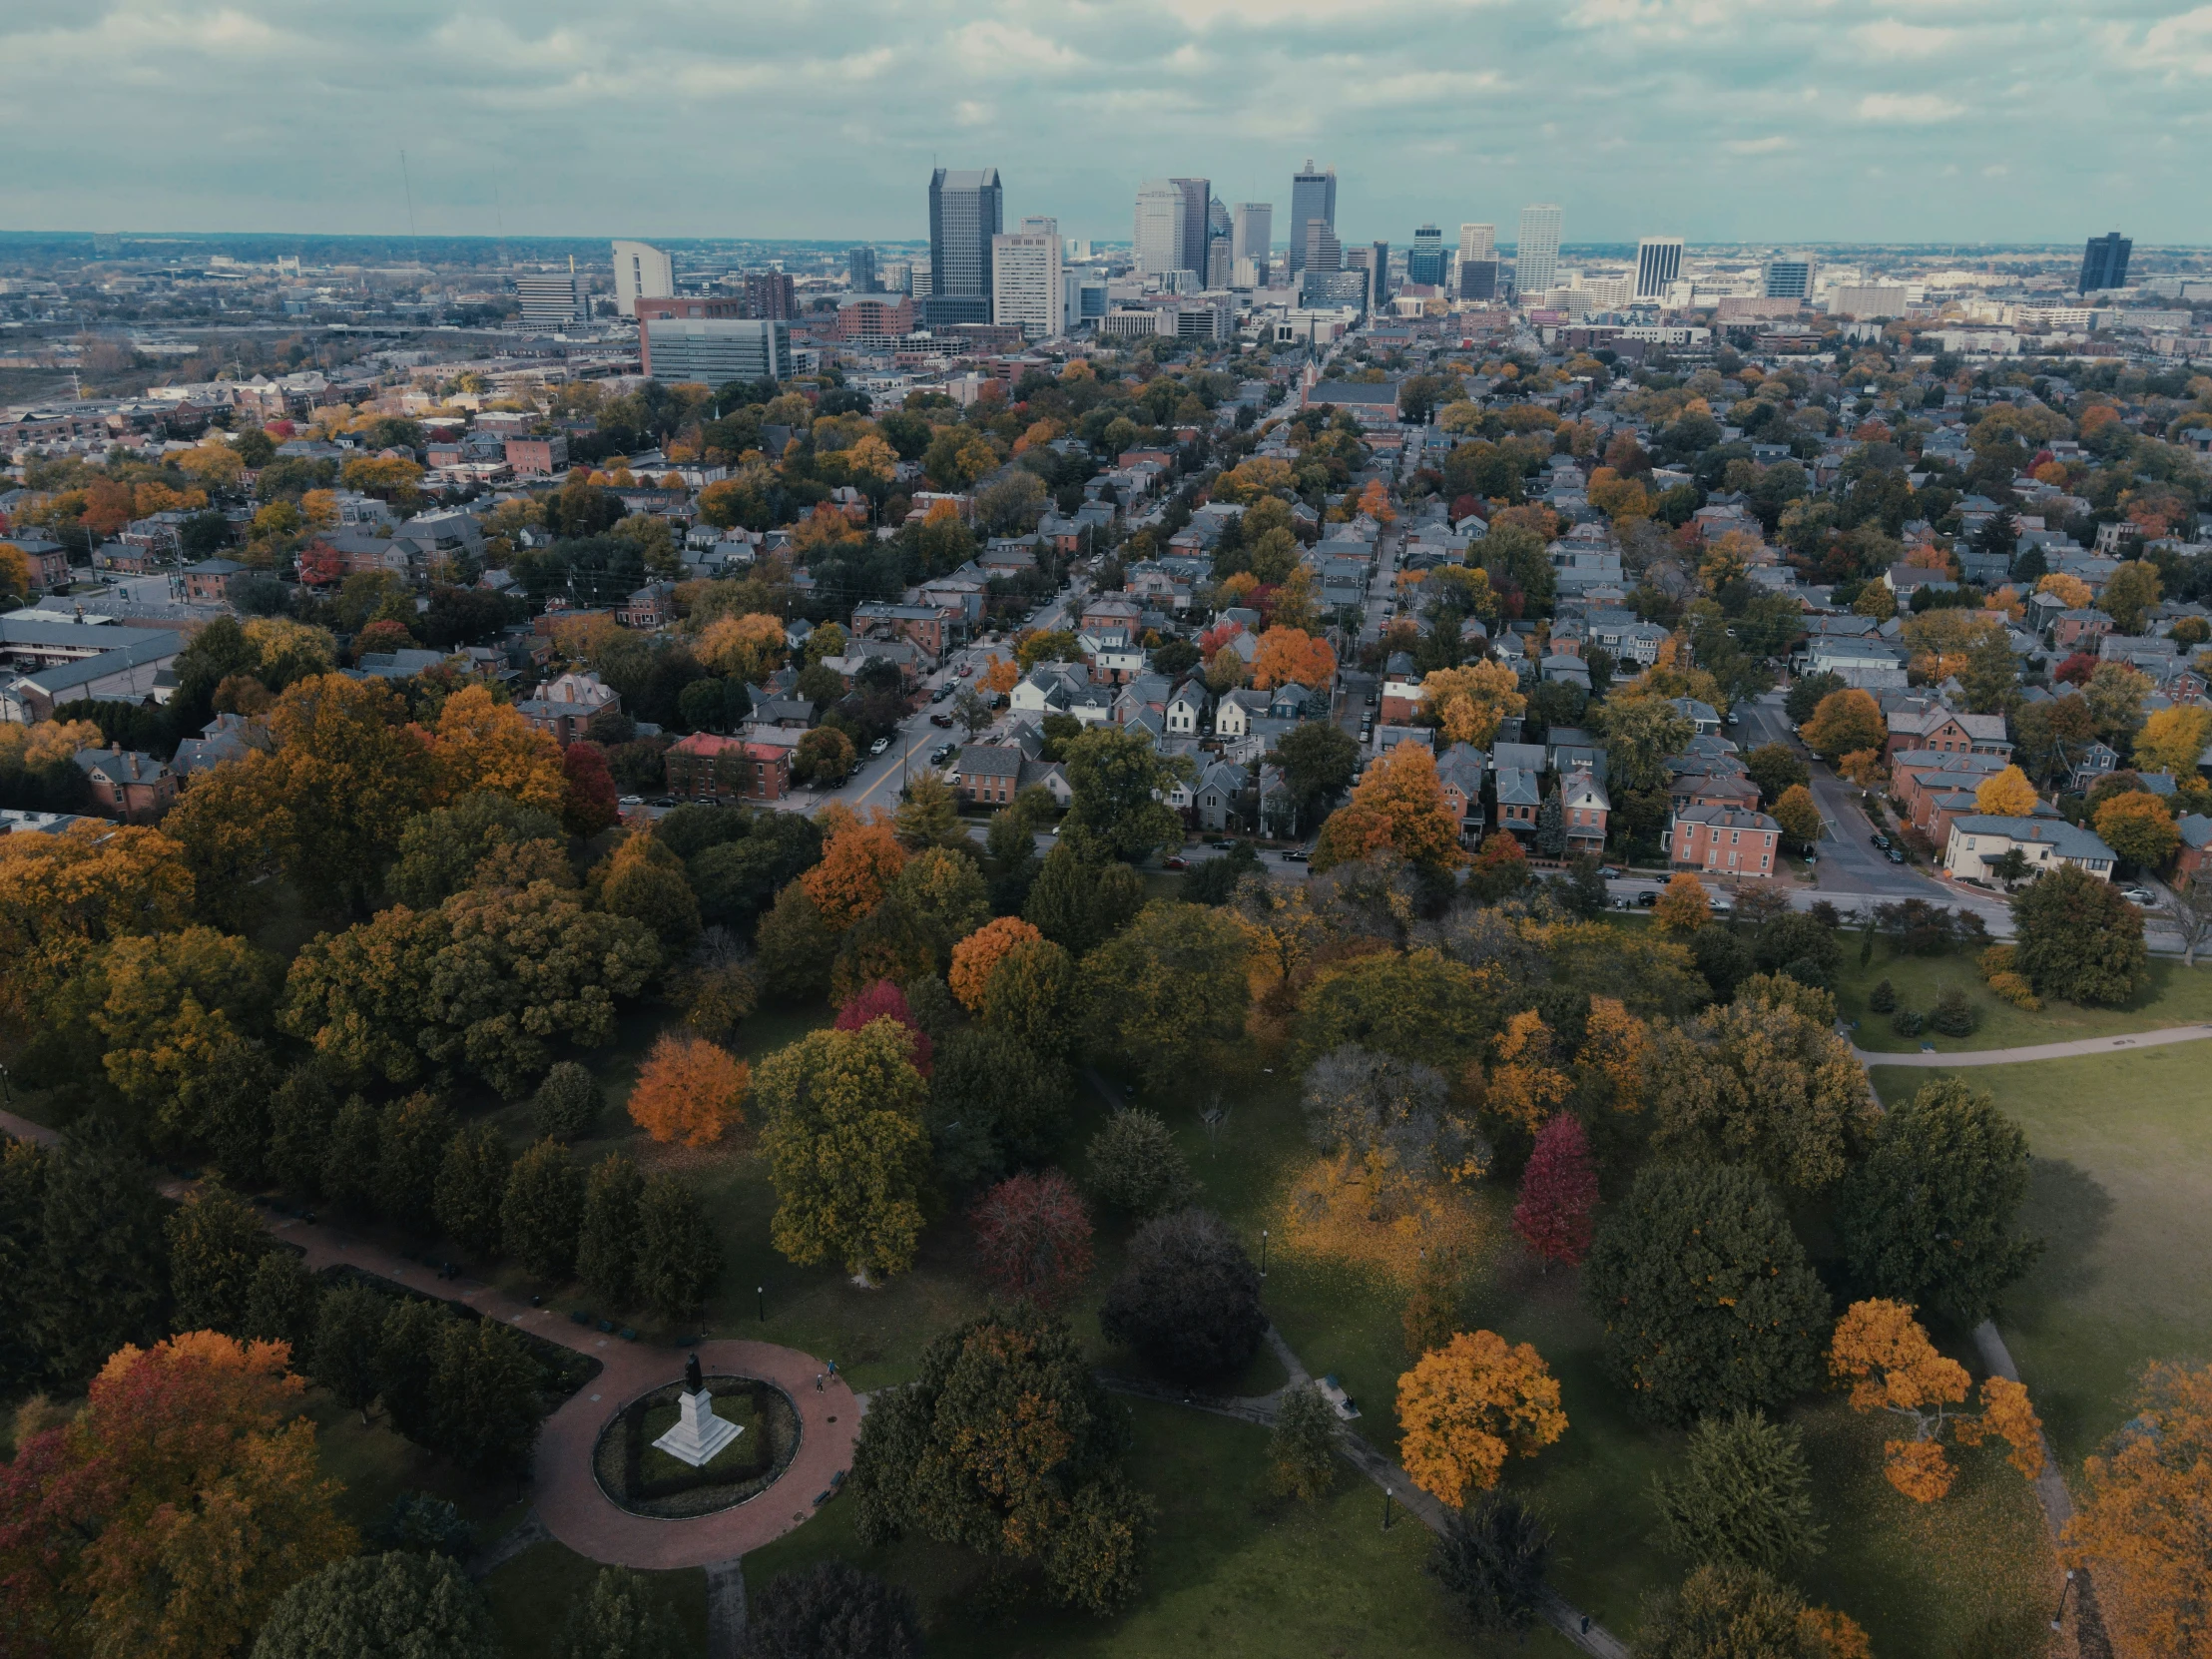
[[989, 47], [1759, 145], [1910, 108], [2173, 45], [969, 113], [1887, 38]]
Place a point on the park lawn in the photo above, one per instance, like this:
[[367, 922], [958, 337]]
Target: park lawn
[[2175, 996], [532, 1594], [2121, 1190]]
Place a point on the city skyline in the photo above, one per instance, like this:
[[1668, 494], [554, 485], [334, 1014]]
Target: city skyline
[[1730, 124]]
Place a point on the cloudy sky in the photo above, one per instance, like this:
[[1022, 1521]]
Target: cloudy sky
[[1718, 120]]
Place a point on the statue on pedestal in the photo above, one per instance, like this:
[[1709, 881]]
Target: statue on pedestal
[[699, 1434], [692, 1383]]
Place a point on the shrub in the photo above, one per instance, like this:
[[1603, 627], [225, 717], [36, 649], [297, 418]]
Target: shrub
[[2015, 990], [1954, 1015], [1998, 958], [1907, 1022], [832, 1611], [1883, 997], [567, 1104], [1302, 1451], [1137, 1167], [1189, 1299]]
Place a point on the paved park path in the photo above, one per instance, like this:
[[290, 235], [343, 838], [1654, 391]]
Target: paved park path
[[568, 1503], [2036, 1051]]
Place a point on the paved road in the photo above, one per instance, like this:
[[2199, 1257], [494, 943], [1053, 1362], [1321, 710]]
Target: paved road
[[2036, 1051]]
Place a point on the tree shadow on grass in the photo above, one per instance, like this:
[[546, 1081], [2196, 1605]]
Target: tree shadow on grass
[[2070, 1209]]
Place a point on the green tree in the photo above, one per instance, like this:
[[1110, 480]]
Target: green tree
[[795, 947], [1078, 904], [215, 1241], [349, 1156], [484, 1402], [621, 1619], [1742, 1492], [1706, 1297], [831, 1611], [411, 1137], [471, 1186], [343, 1354], [1738, 1612], [1640, 733], [1187, 1298], [1492, 1557], [1421, 1006], [482, 836], [846, 1147], [607, 1249], [1159, 994], [2075, 936], [1927, 1215], [1799, 815], [930, 815], [1991, 674], [301, 1111], [1302, 1447], [1775, 768], [103, 1271], [1008, 1100], [1318, 760], [283, 1300], [959, 1455], [1029, 994], [1118, 779], [1137, 1167], [2130, 593], [381, 1606], [679, 1259], [645, 882], [943, 896], [407, 1348], [543, 1210]]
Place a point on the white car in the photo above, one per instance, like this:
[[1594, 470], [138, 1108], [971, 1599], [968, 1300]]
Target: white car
[[2137, 895], [878, 746]]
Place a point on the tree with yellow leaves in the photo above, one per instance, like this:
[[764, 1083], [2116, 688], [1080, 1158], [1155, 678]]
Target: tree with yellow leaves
[[1845, 721], [1397, 805], [2172, 740], [2006, 793], [689, 1090], [1292, 656], [1467, 703], [1002, 675], [484, 744], [975, 956], [2072, 588], [858, 867], [64, 897], [1617, 1045], [2143, 1522], [1466, 1406], [749, 647], [1683, 906], [1881, 1350], [1525, 1085]]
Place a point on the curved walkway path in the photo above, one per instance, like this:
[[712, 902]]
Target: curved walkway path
[[568, 1502], [2037, 1051]]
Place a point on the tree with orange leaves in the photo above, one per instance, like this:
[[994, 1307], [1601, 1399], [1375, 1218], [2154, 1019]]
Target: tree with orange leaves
[[974, 957], [1467, 703], [1616, 1046], [1466, 1406], [858, 867], [1397, 805], [484, 744], [1525, 1085], [2143, 1522], [1375, 501], [1892, 1367], [1683, 906], [171, 1515], [689, 1090], [1289, 655], [1002, 675]]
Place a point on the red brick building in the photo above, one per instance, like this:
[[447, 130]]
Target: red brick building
[[705, 767], [539, 457], [128, 784], [1721, 842]]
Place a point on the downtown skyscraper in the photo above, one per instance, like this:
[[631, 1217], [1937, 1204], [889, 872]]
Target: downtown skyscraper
[[1312, 199], [1537, 255], [965, 211]]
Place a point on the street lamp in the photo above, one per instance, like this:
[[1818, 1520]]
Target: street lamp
[[1263, 1253], [1387, 1495], [2063, 1590], [760, 1302]]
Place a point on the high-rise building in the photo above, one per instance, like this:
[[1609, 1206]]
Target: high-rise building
[[1312, 201], [642, 272], [1156, 236], [899, 277], [860, 270], [716, 349], [1322, 252], [1658, 265], [1537, 255], [1426, 259], [1026, 282], [1477, 242], [1220, 263], [552, 300], [1039, 225], [1478, 279], [1788, 279], [771, 295], [2104, 261], [965, 211], [1198, 197], [1378, 277], [1252, 231]]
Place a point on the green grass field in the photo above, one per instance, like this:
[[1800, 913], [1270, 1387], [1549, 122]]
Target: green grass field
[[2121, 1191], [2175, 996]]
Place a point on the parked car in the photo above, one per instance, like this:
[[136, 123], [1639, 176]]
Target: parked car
[[881, 744], [662, 801], [1894, 855], [940, 720], [2138, 895], [966, 669], [1296, 856], [1645, 900], [1881, 841], [1223, 846], [1175, 863], [631, 800], [944, 752]]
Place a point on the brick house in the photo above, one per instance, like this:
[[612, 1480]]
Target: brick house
[[1111, 614], [538, 457], [1942, 731], [1519, 797], [127, 784], [651, 607], [1460, 770], [1585, 806], [990, 773], [1917, 776], [563, 707], [931, 627], [1400, 690], [2072, 631], [706, 766], [1722, 841], [209, 581], [2196, 837], [1731, 788]]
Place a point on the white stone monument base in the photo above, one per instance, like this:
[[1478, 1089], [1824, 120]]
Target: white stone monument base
[[699, 1436]]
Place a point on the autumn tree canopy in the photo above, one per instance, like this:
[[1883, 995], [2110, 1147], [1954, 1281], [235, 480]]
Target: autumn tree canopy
[[1469, 1404]]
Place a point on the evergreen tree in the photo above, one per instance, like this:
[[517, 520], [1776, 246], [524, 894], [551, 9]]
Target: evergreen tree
[[568, 1103], [543, 1210], [299, 1117], [483, 1397], [1741, 1493], [103, 1279], [1491, 1558], [1551, 827], [1302, 1449], [471, 1186], [607, 1248], [216, 1242], [679, 1261]]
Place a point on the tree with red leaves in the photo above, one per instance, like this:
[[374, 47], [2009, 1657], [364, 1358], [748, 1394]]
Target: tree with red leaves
[[882, 1000], [590, 805], [1558, 1190], [2076, 669], [1034, 1235]]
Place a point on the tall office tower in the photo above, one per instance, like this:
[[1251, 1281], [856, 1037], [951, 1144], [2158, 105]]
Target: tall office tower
[[1220, 263], [1537, 255], [1156, 242], [642, 272], [769, 293], [1252, 232], [965, 211], [1426, 259], [1026, 282], [549, 302], [1312, 201], [1477, 242], [1788, 279], [2104, 261], [1378, 277], [860, 270], [1322, 251], [1478, 279], [1198, 195], [717, 350], [1658, 265]]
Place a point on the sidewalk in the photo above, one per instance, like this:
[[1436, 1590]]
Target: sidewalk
[[2037, 1051]]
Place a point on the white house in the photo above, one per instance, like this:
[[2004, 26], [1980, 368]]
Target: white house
[[1978, 840]]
